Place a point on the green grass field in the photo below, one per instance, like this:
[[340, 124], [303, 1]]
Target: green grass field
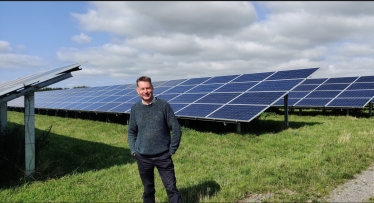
[[89, 161]]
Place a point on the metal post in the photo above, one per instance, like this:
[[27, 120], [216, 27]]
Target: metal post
[[286, 110], [370, 108], [29, 133], [238, 128], [3, 116], [187, 123]]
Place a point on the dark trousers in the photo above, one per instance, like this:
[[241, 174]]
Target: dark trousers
[[165, 167]]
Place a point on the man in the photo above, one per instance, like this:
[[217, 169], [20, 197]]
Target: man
[[151, 142]]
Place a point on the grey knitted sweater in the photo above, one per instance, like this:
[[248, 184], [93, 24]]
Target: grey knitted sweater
[[150, 126]]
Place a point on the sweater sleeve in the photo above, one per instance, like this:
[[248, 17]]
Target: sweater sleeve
[[176, 132], [132, 132]]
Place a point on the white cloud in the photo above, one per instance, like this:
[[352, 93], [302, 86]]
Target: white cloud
[[81, 38], [150, 18], [5, 46], [9, 60], [171, 40]]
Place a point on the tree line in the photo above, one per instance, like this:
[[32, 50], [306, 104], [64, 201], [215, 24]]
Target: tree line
[[59, 88]]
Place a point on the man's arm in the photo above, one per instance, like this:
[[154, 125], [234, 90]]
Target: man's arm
[[175, 129], [132, 132]]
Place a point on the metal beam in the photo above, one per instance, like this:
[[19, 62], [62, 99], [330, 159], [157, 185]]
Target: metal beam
[[29, 133]]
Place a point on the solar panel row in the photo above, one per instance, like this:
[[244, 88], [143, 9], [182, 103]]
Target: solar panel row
[[343, 92], [232, 97]]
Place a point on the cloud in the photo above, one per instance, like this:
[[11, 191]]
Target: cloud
[[81, 38], [9, 60], [151, 18], [5, 46], [171, 40]]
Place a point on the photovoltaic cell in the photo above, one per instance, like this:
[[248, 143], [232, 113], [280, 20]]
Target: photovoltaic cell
[[198, 110], [217, 98], [252, 77], [187, 98], [124, 107], [315, 102], [314, 81], [177, 107], [236, 87], [221, 79], [280, 75], [357, 102], [332, 87], [106, 107], [264, 98], [280, 85], [323, 94], [341, 80], [167, 97], [237, 112], [305, 87], [361, 86], [172, 82], [204, 88], [295, 94], [179, 89], [195, 81], [366, 79], [357, 93]]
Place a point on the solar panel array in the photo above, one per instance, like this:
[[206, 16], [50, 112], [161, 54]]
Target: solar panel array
[[227, 98], [343, 92]]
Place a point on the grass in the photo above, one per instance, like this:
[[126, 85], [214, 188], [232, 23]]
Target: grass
[[89, 161]]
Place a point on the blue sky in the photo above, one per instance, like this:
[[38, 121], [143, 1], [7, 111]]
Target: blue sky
[[172, 40]]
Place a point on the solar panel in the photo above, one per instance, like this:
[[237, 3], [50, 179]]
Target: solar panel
[[22, 83], [347, 92], [226, 98]]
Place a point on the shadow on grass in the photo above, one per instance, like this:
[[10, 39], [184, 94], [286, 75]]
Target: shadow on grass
[[202, 191], [359, 113], [62, 156], [255, 127]]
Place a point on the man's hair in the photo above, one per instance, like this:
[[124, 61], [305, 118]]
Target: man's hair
[[144, 79]]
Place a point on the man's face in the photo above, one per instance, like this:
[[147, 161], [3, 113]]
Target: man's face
[[145, 91]]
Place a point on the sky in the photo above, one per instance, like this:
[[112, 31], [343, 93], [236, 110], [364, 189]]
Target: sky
[[123, 40]]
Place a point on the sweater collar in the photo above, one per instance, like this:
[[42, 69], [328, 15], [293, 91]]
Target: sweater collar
[[154, 98]]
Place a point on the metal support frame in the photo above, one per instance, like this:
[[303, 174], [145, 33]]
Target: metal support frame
[[286, 111], [3, 116], [370, 108], [187, 122], [29, 117], [238, 128], [29, 133]]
